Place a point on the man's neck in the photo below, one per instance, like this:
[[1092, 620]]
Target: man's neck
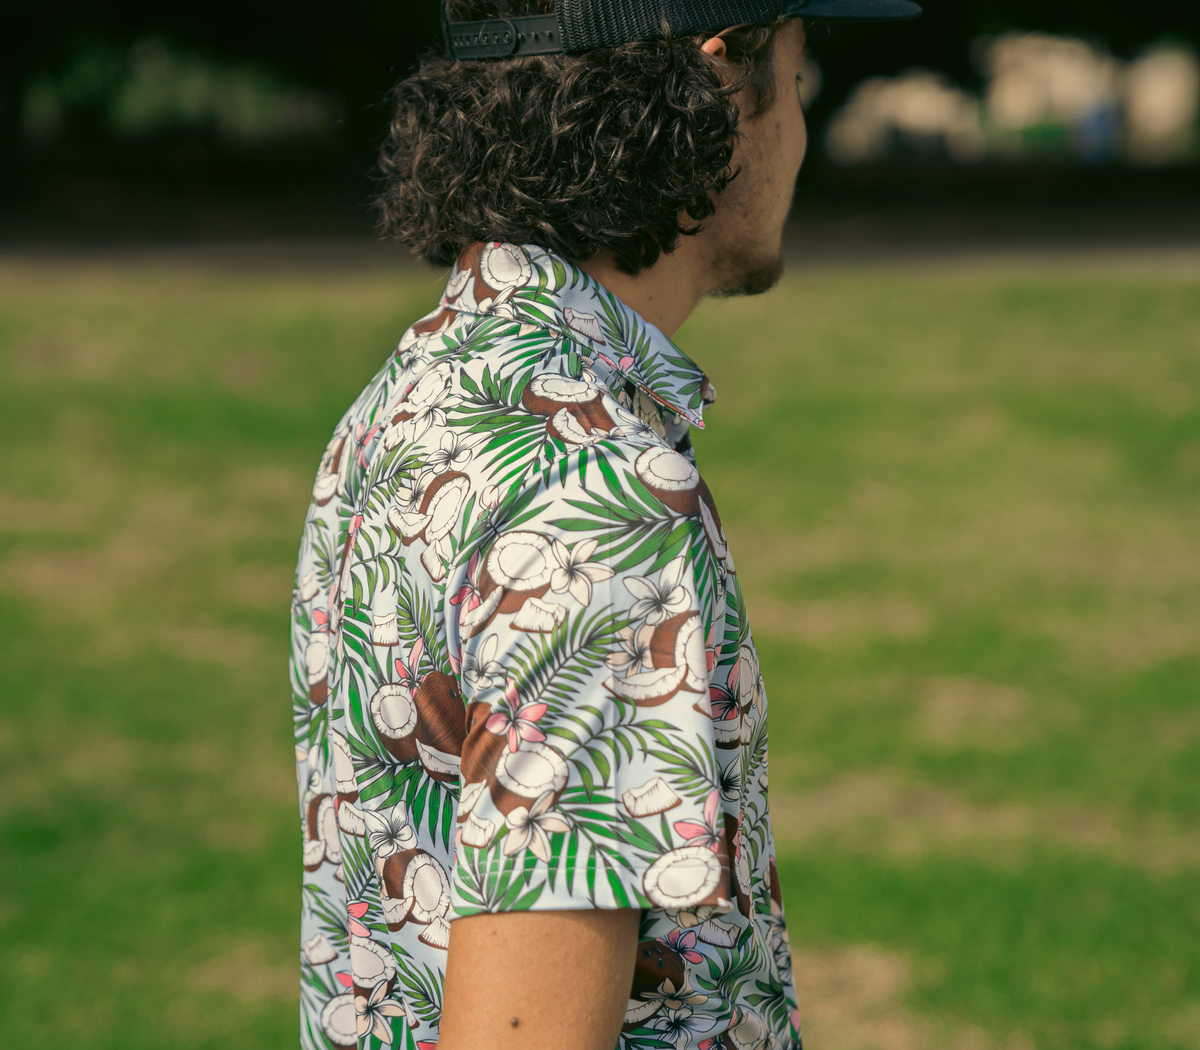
[[665, 294]]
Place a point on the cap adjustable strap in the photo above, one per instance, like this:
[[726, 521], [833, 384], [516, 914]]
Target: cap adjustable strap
[[504, 37], [584, 25]]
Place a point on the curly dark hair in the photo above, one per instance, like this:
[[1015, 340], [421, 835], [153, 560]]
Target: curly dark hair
[[576, 153]]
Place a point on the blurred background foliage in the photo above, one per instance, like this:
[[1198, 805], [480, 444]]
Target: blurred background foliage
[[131, 119]]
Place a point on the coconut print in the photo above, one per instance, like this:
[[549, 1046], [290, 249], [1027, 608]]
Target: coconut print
[[522, 672]]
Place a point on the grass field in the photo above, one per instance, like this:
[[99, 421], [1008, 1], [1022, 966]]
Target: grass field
[[964, 499]]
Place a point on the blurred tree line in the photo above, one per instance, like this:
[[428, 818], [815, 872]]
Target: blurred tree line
[[356, 50]]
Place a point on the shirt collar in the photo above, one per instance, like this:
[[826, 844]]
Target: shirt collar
[[539, 289]]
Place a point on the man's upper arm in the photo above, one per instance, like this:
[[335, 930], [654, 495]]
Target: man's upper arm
[[563, 977]]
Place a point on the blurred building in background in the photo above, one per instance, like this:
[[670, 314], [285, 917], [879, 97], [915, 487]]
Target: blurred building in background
[[1043, 96], [249, 120]]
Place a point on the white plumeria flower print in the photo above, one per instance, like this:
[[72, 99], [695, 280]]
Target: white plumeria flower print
[[529, 827], [483, 671], [634, 654], [573, 575], [659, 601], [453, 453], [409, 495], [373, 1013], [389, 833]]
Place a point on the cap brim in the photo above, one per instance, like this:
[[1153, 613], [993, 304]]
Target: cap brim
[[883, 10]]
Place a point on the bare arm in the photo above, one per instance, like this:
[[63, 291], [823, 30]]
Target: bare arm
[[564, 975]]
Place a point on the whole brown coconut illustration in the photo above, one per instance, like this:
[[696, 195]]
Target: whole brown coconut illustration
[[677, 655], [427, 724], [441, 725], [574, 408], [657, 969]]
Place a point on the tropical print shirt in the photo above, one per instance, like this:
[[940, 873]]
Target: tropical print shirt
[[522, 673]]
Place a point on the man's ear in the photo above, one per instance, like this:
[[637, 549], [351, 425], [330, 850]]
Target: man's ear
[[714, 46]]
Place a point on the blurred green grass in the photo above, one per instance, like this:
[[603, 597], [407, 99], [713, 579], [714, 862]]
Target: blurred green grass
[[964, 503]]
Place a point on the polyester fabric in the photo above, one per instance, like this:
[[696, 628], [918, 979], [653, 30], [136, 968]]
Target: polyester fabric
[[522, 672]]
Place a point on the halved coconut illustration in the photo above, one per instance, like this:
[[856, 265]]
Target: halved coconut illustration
[[321, 831], [339, 1022], [586, 325], [518, 567], [750, 1032], [394, 714], [677, 653], [686, 877], [739, 863], [775, 889], [371, 963], [428, 389], [718, 933], [671, 477], [574, 407], [334, 468], [308, 587], [657, 969], [385, 630], [497, 270], [316, 665], [350, 819], [343, 767], [477, 832], [434, 520], [318, 950], [537, 616], [414, 888], [522, 776], [653, 797], [430, 325], [436, 934]]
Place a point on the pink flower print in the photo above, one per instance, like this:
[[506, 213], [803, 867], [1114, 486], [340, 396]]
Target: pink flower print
[[712, 651], [626, 363], [519, 720], [724, 703], [468, 594], [684, 942], [320, 618], [706, 834], [362, 437], [357, 910], [346, 980], [408, 676]]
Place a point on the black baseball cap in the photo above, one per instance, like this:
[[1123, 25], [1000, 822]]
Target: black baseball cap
[[585, 25]]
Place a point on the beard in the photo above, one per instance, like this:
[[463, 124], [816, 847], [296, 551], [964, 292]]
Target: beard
[[749, 274]]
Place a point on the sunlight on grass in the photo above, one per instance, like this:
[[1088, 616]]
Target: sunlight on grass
[[963, 503]]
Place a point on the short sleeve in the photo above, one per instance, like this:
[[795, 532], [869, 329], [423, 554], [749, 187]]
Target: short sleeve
[[589, 776]]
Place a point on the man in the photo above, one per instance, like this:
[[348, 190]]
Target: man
[[530, 723]]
